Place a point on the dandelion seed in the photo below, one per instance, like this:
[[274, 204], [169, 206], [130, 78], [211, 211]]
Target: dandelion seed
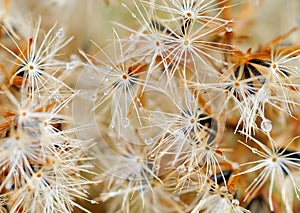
[[275, 163], [120, 83], [38, 64]]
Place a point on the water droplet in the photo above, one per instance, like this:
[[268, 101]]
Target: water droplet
[[229, 29], [191, 98], [125, 122], [133, 15], [254, 150], [93, 202], [106, 79], [71, 65], [16, 173], [181, 169], [149, 141], [8, 186], [60, 33], [266, 125], [176, 198], [235, 165], [157, 167], [112, 132], [235, 202], [105, 93], [124, 5], [131, 37], [74, 57], [108, 67]]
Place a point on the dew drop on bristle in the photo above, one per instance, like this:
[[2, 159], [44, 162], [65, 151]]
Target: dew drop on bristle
[[176, 198], [112, 131], [266, 125], [9, 186], [254, 150], [229, 29], [235, 202], [60, 33], [131, 37], [71, 65], [125, 122], [235, 166], [93, 202], [149, 141], [16, 173], [181, 169], [191, 98]]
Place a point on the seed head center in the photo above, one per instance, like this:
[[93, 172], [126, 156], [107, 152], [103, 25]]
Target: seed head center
[[125, 77]]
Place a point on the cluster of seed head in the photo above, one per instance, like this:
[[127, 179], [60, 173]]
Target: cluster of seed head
[[189, 119], [41, 161], [176, 93]]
